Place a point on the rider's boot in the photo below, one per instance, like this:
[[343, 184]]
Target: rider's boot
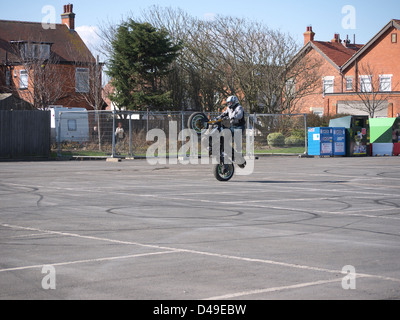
[[243, 165]]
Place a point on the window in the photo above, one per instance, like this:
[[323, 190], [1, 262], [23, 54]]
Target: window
[[72, 125], [23, 79], [366, 83], [44, 51], [349, 83], [394, 37], [82, 80], [37, 51], [385, 83], [328, 83], [318, 112], [290, 88]]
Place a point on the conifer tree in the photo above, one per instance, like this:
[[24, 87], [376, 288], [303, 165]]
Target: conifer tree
[[141, 58]]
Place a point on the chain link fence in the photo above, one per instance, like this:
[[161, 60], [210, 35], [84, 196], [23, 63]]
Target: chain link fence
[[280, 133], [123, 134]]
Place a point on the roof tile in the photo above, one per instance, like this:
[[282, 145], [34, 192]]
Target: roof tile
[[337, 52], [66, 43]]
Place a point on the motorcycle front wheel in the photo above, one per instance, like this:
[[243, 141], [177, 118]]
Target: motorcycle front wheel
[[224, 172]]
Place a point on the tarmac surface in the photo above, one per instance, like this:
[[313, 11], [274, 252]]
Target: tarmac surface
[[297, 228]]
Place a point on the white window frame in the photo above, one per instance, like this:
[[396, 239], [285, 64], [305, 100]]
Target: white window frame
[[328, 85], [349, 83], [366, 83], [388, 84], [318, 111], [23, 79], [291, 87], [82, 80]]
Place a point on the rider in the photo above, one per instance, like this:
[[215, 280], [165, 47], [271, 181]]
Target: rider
[[235, 113]]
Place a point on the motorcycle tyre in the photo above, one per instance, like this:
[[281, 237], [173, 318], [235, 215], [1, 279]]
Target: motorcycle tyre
[[197, 116], [221, 177]]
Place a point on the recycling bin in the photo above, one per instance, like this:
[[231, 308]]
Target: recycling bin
[[382, 130], [385, 136], [357, 134], [382, 149], [339, 141], [320, 141]]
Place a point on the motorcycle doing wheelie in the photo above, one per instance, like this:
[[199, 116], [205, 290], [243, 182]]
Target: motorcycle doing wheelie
[[215, 134]]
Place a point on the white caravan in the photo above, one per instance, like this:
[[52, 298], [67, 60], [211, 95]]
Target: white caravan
[[74, 125]]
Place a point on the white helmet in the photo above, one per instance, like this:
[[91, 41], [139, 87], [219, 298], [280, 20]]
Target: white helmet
[[232, 101]]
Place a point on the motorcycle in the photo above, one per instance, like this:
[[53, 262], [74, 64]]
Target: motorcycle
[[206, 128]]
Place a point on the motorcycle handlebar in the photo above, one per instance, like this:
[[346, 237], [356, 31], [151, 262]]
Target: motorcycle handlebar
[[216, 120]]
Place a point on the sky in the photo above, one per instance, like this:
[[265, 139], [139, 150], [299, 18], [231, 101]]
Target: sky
[[364, 18]]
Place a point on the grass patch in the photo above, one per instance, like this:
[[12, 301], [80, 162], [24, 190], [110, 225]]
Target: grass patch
[[289, 150]]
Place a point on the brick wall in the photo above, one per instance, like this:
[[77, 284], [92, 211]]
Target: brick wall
[[383, 57], [67, 98], [318, 100]]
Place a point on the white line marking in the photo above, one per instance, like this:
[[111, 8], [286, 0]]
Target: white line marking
[[295, 286], [75, 235], [87, 261], [275, 289], [209, 254], [26, 236]]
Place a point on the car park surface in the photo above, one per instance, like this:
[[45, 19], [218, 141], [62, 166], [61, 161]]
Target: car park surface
[[297, 228]]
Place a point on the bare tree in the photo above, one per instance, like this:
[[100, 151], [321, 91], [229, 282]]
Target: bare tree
[[256, 63], [42, 79], [373, 90], [301, 77], [232, 56], [92, 95], [194, 84]]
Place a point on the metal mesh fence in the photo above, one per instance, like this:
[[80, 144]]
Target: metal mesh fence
[[123, 134], [280, 133]]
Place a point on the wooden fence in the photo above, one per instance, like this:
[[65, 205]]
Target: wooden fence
[[24, 134]]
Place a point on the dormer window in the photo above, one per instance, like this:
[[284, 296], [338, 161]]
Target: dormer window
[[37, 51], [33, 50]]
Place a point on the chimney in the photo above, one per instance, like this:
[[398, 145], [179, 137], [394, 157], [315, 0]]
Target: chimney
[[308, 35], [336, 38], [68, 17], [346, 42]]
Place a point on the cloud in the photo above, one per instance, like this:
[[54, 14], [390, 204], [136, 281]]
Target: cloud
[[90, 35]]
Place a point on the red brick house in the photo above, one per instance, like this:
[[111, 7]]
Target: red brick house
[[356, 77], [47, 65]]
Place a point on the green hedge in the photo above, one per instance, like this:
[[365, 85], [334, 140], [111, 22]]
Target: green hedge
[[276, 139]]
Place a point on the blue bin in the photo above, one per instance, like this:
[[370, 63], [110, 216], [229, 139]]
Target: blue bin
[[339, 141], [320, 141]]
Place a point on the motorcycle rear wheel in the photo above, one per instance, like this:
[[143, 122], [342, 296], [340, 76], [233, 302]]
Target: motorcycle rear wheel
[[198, 122]]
